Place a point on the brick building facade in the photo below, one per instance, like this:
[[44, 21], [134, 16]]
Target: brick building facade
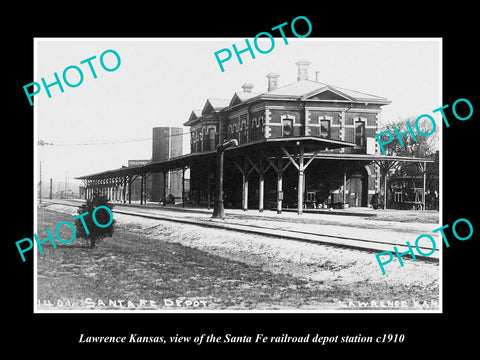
[[305, 108]]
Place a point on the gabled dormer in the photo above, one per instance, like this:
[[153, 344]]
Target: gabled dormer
[[194, 116], [241, 96], [214, 105]]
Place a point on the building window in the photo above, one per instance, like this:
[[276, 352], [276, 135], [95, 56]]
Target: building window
[[229, 133], [360, 133], [287, 126], [262, 128], [204, 140], [251, 130], [198, 140], [242, 139], [211, 138], [324, 128]]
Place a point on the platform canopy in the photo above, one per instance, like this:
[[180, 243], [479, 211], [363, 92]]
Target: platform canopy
[[277, 153], [271, 147]]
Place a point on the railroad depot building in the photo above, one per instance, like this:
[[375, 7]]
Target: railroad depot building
[[301, 145], [306, 111]]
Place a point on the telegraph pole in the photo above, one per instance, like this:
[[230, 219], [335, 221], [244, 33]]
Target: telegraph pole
[[41, 143], [40, 196], [218, 209]]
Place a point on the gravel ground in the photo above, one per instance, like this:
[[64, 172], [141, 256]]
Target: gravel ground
[[325, 267]]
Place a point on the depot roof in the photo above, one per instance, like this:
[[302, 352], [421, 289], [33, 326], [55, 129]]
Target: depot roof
[[304, 90], [308, 88]]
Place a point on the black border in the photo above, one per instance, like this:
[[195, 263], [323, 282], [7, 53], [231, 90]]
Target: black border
[[427, 332]]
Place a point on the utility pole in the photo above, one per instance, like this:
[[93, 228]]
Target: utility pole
[[41, 143], [40, 196], [50, 196], [218, 209]]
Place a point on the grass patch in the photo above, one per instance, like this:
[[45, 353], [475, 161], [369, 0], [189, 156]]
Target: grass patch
[[129, 267]]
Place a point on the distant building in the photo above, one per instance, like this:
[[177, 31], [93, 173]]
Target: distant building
[[81, 191], [167, 143], [136, 186]]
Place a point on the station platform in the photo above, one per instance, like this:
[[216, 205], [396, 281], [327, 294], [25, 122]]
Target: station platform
[[343, 227], [421, 216]]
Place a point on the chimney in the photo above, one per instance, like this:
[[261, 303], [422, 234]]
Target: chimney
[[302, 69], [272, 81], [247, 87], [316, 76]]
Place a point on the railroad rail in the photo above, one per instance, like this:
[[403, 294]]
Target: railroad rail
[[229, 224]]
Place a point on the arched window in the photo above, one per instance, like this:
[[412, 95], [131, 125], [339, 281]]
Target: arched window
[[253, 129], [192, 141]]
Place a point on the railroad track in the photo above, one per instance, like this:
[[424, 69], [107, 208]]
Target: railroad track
[[290, 234]]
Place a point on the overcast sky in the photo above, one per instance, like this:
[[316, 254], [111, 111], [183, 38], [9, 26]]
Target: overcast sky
[[160, 81]]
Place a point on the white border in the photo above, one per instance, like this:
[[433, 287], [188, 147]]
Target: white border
[[35, 177], [292, 311]]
